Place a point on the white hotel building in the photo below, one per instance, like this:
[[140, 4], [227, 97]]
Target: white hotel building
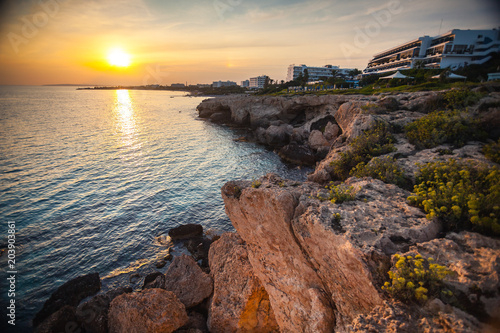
[[258, 82], [314, 72], [453, 49]]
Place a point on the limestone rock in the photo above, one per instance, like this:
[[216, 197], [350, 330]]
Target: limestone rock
[[297, 154], [278, 135], [152, 310], [93, 314], [476, 260], [395, 317], [70, 293], [262, 218], [332, 131], [187, 281], [240, 303], [317, 140], [324, 268], [297, 110]]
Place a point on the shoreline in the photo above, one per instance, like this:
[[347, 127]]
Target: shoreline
[[336, 252]]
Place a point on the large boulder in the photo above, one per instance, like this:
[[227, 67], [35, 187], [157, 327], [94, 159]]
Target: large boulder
[[239, 303], [93, 314], [187, 281], [151, 310], [186, 231], [63, 320], [263, 220], [70, 293], [278, 135], [332, 131], [321, 262], [297, 154], [317, 140]]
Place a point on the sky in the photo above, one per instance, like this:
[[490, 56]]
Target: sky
[[200, 41]]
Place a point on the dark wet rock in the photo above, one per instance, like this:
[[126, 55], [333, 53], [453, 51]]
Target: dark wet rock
[[134, 278], [198, 247], [160, 263], [297, 154], [71, 293], [93, 314], [278, 135], [151, 278], [186, 231], [63, 320], [197, 324], [220, 117]]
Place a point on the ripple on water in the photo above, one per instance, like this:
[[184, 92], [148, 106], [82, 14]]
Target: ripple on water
[[92, 177]]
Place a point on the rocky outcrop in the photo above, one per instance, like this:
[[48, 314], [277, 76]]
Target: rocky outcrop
[[321, 269], [62, 320], [239, 303], [475, 260], [475, 283], [151, 310], [70, 293], [93, 314], [186, 231], [187, 281]]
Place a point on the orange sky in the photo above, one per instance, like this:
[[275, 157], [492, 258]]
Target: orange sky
[[67, 41]]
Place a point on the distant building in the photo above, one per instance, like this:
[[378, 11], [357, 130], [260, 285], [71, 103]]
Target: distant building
[[218, 84], [315, 73], [245, 84], [493, 76], [453, 49], [178, 85], [258, 82]]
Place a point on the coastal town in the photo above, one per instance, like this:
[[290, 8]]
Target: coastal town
[[445, 53]]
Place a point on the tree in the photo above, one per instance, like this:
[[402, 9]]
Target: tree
[[354, 72]]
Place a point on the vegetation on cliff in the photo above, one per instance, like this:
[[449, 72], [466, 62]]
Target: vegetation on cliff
[[374, 142], [464, 195], [414, 278]]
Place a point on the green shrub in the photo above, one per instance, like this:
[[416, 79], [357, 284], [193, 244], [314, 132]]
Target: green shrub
[[256, 183], [374, 142], [492, 151], [416, 279], [462, 194], [339, 193], [460, 98], [383, 168], [441, 127]]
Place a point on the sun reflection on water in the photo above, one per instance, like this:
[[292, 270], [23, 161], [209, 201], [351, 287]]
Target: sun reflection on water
[[126, 119]]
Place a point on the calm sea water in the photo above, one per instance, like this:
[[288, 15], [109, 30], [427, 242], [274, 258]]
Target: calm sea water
[[92, 178]]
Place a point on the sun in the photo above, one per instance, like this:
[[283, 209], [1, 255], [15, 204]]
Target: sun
[[118, 58]]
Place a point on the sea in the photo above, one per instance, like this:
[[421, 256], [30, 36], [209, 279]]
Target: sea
[[90, 180]]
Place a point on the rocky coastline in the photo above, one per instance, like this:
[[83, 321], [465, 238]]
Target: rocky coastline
[[299, 260]]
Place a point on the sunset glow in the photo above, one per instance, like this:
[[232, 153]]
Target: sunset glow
[[163, 42], [118, 58]]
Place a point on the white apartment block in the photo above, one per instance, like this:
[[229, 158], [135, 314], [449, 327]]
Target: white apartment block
[[315, 73], [453, 49], [218, 84], [245, 84], [258, 82]]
